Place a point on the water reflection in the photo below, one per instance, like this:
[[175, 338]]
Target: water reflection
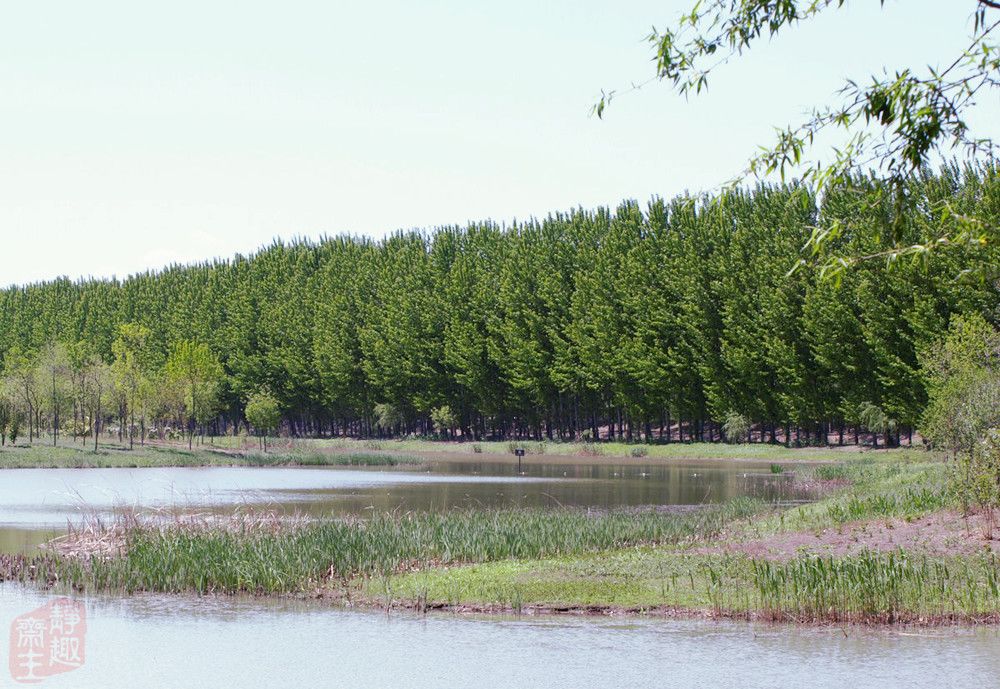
[[168, 642], [35, 502]]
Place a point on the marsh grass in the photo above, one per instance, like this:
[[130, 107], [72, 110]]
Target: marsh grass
[[867, 487], [881, 588], [876, 587], [298, 558]]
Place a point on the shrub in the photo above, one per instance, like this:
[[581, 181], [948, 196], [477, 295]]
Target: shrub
[[639, 451], [388, 416], [444, 419], [736, 427]]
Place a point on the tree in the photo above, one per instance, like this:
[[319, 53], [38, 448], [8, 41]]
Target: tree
[[963, 379], [874, 418], [7, 412], [892, 125], [197, 375], [53, 373], [131, 369], [264, 414], [95, 391], [22, 378], [444, 419]]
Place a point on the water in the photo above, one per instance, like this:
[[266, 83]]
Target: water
[[37, 503], [177, 641], [159, 641]]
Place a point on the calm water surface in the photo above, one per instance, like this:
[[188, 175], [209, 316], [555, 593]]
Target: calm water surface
[[153, 641], [35, 503], [182, 642]]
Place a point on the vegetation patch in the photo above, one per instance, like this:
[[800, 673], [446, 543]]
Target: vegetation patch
[[151, 455], [237, 557]]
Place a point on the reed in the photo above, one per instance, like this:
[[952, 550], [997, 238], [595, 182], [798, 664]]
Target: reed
[[240, 558], [877, 587]]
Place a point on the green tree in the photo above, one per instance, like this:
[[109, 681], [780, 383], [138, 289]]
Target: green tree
[[264, 414], [53, 374], [893, 123], [196, 375], [7, 412], [21, 373], [131, 369], [962, 370], [96, 389]]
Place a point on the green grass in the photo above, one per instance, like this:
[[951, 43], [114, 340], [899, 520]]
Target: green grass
[[869, 587], [242, 558], [636, 451], [109, 455], [871, 486]]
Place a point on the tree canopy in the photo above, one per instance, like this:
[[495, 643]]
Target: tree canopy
[[655, 321], [891, 124]]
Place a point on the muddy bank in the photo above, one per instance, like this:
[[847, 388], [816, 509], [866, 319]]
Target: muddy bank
[[828, 618], [940, 534]]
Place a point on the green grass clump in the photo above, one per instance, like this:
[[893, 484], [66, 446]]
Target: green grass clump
[[877, 587]]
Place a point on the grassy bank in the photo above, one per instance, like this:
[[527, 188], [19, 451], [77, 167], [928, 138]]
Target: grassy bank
[[230, 451], [246, 555], [540, 451], [109, 455], [733, 574]]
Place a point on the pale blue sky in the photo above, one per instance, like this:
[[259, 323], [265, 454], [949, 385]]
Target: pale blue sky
[[134, 135]]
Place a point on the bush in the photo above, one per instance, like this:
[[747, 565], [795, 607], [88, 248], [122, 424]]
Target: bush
[[976, 479], [962, 371], [387, 417], [638, 451], [444, 419], [736, 427], [477, 448]]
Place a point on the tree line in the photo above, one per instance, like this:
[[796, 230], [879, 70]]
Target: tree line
[[670, 321]]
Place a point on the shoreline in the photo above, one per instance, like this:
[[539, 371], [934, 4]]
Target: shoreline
[[882, 546], [417, 453]]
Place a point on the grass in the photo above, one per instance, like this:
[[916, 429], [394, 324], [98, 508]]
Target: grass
[[871, 487], [870, 587], [111, 455], [764, 452], [237, 557]]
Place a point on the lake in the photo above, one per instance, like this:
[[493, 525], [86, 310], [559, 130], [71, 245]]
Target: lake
[[161, 641], [156, 641], [35, 504]]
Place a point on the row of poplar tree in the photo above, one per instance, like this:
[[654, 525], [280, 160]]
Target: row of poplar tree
[[655, 322]]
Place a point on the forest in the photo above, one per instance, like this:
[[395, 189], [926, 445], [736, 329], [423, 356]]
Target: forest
[[676, 320]]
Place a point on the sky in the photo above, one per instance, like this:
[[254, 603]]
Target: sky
[[134, 135]]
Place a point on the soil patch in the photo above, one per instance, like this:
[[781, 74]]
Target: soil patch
[[941, 534]]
